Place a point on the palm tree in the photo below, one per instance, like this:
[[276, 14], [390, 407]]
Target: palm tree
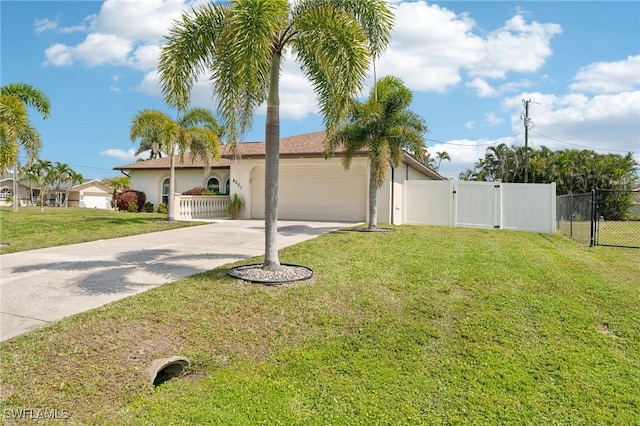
[[41, 174], [241, 45], [74, 178], [195, 131], [429, 161], [61, 174], [442, 155], [384, 126], [150, 143], [16, 129]]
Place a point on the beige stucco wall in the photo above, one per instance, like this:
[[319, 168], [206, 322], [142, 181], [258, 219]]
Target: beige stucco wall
[[241, 171], [150, 181]]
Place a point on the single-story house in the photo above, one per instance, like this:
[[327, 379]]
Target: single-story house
[[6, 192], [311, 187], [92, 194]]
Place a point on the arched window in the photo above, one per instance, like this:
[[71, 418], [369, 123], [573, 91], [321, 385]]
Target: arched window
[[227, 186], [165, 191], [5, 193], [213, 185]]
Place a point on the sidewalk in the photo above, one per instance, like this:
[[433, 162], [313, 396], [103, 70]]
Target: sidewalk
[[41, 286]]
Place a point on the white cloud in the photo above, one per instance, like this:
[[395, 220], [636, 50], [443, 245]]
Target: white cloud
[[492, 119], [103, 49], [128, 155], [609, 77], [464, 153], [143, 20], [150, 84], [429, 47], [469, 124], [42, 25], [297, 99], [145, 57], [481, 87], [603, 122], [96, 49], [46, 24], [516, 47], [432, 48], [59, 55]]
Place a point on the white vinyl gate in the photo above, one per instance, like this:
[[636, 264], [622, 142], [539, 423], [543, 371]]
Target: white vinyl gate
[[516, 206]]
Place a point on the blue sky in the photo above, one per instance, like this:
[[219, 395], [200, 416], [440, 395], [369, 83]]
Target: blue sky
[[470, 66]]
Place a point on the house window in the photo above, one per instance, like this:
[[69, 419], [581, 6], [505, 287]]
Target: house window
[[213, 185], [5, 193], [227, 186], [165, 191]]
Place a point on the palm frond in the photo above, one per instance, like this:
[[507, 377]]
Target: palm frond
[[30, 96], [333, 51], [189, 51]]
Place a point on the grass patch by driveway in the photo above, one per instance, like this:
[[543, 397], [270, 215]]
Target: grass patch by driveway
[[425, 325], [30, 228]]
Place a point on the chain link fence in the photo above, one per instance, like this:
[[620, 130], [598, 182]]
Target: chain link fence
[[574, 213], [617, 218], [601, 217]]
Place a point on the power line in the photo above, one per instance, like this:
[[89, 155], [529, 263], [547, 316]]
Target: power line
[[460, 144], [582, 146], [76, 166]]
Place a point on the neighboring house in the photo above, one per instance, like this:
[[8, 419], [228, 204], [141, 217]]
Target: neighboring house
[[91, 194], [310, 187], [6, 192]]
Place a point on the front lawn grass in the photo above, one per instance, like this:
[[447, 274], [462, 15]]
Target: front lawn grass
[[425, 325], [30, 228]]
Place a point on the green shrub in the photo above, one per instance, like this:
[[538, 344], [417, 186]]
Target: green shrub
[[162, 208], [133, 207], [148, 207], [236, 206]]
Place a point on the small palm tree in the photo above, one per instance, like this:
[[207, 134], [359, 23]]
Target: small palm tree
[[41, 174], [241, 45], [385, 127], [150, 143], [16, 129], [74, 179], [442, 155], [61, 175], [194, 131]]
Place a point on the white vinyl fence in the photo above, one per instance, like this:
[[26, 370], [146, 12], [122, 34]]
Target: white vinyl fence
[[516, 206]]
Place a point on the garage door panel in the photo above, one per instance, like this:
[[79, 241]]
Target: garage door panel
[[315, 193]]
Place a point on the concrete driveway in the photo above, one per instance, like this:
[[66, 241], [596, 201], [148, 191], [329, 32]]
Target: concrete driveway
[[41, 286]]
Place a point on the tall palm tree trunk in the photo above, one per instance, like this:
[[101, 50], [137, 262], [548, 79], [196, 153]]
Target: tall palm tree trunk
[[373, 199], [272, 164], [171, 205], [16, 196]]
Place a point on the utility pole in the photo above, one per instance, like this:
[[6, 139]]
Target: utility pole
[[526, 140]]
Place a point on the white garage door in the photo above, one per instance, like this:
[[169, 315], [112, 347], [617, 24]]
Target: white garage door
[[315, 193], [95, 201]]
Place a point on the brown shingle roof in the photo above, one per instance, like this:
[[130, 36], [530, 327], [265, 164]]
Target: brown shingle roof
[[306, 145], [163, 163]]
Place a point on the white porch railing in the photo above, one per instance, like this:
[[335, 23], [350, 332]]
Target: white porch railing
[[190, 207]]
